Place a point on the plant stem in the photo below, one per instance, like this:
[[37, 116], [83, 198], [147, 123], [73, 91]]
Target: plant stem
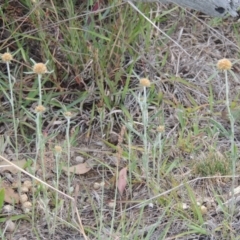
[[68, 151], [232, 121]]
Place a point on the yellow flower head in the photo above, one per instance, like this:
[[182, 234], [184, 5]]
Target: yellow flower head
[[39, 68], [58, 149], [40, 109], [68, 114], [161, 128], [7, 57], [224, 64], [145, 82]]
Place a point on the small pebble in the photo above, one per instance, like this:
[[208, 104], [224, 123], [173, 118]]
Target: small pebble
[[96, 185], [27, 205], [23, 198], [9, 177], [184, 206], [204, 210], [24, 189], [26, 210], [10, 226], [112, 204], [27, 184], [8, 208], [15, 185], [79, 159], [102, 184], [151, 205]]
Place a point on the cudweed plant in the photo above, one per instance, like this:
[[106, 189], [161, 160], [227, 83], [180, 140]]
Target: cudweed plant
[[7, 58], [39, 110], [142, 100], [57, 153], [158, 142], [68, 115], [39, 69], [225, 65]]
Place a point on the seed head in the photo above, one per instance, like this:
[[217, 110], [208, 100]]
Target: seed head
[[224, 64], [145, 82], [40, 109], [7, 57], [39, 68]]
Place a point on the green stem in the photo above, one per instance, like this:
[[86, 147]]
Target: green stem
[[68, 151], [231, 119], [15, 125], [40, 89]]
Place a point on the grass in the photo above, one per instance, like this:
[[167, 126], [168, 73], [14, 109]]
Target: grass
[[177, 137]]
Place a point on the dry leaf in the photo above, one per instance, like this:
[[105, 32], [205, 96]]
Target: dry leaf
[[80, 168], [122, 180], [10, 196], [4, 166]]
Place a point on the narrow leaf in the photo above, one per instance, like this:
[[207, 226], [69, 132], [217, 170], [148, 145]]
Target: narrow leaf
[[122, 180], [2, 193]]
